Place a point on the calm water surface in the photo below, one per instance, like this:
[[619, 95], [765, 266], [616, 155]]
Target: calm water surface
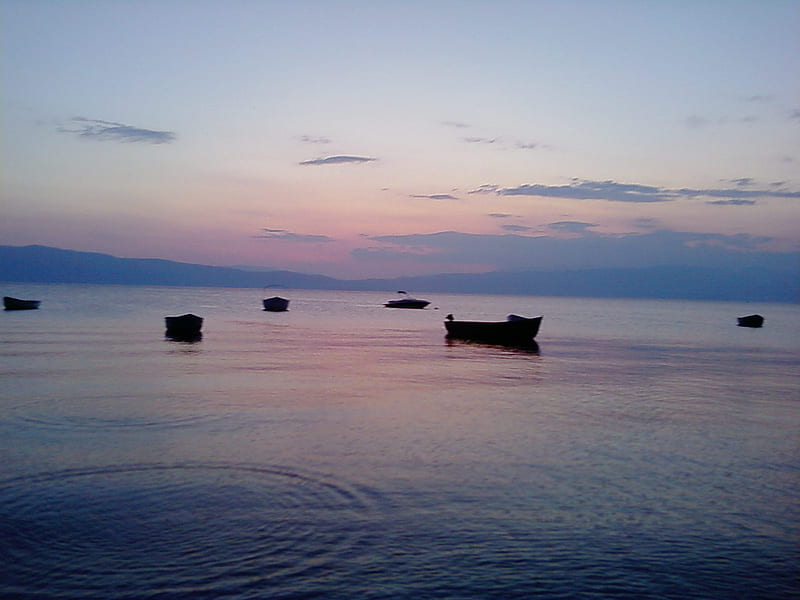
[[648, 449]]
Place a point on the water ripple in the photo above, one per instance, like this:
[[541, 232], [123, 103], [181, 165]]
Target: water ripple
[[188, 530], [117, 413]]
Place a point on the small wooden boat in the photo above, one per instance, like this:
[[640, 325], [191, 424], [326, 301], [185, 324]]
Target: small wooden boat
[[276, 304], [751, 321], [184, 327], [515, 330], [10, 303], [406, 302]]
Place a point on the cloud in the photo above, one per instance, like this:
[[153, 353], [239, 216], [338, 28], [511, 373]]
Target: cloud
[[573, 227], [587, 250], [497, 142], [795, 114], [434, 196], [592, 190], [500, 215], [613, 191], [647, 223], [519, 228], [313, 139], [119, 132], [282, 234], [760, 99], [737, 193], [486, 188], [742, 181], [338, 160], [480, 140], [733, 202]]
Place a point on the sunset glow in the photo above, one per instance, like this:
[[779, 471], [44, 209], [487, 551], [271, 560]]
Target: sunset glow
[[336, 137]]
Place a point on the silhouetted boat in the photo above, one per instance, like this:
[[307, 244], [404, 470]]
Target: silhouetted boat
[[10, 303], [276, 304], [751, 321], [406, 302], [515, 330], [184, 327]]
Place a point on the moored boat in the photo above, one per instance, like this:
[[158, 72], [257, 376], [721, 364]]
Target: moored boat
[[406, 302], [184, 327], [750, 321], [10, 303], [515, 330], [276, 304]]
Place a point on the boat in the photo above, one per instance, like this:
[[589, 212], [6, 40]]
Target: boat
[[406, 302], [276, 304], [750, 321], [515, 330], [10, 303], [184, 327]]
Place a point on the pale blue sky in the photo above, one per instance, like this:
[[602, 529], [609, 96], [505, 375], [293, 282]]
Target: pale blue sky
[[199, 131]]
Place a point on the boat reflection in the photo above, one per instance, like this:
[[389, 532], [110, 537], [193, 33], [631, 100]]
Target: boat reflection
[[186, 338], [531, 347]]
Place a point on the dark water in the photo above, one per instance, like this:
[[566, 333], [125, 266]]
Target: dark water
[[342, 450]]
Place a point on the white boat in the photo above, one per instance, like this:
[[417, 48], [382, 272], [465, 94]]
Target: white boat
[[406, 302]]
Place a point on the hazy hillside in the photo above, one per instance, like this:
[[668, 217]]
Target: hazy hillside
[[45, 264], [777, 283]]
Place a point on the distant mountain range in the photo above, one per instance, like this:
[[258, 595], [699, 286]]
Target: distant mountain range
[[773, 283]]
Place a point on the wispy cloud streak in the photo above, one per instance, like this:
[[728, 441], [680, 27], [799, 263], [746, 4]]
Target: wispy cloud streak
[[338, 160], [315, 139], [455, 124], [613, 191], [97, 129], [288, 236], [733, 202], [435, 196]]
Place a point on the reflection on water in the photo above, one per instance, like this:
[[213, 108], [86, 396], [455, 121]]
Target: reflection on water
[[339, 450], [527, 348], [186, 338]]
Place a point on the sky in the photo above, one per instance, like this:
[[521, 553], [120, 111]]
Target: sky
[[384, 138]]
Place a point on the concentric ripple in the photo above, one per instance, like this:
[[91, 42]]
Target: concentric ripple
[[182, 530], [117, 413]]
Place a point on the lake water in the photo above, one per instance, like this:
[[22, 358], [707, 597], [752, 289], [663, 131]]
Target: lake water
[[648, 449]]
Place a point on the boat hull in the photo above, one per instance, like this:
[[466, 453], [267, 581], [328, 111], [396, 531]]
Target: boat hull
[[516, 331], [276, 304], [10, 303], [406, 303], [184, 327], [750, 321]]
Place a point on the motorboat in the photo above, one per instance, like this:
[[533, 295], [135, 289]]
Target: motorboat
[[10, 303], [515, 330], [406, 302]]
